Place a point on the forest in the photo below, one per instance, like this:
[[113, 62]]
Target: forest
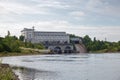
[[101, 46]]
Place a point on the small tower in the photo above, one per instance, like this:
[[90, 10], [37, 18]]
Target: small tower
[[33, 34], [33, 28]]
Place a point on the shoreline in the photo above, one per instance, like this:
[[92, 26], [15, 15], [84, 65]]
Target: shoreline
[[28, 54], [20, 54], [6, 72]]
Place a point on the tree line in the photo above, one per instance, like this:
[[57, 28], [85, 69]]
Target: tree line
[[100, 45], [13, 44]]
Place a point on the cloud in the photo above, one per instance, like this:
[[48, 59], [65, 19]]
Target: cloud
[[7, 8], [111, 11], [58, 15], [51, 4], [16, 11], [104, 7], [77, 14]]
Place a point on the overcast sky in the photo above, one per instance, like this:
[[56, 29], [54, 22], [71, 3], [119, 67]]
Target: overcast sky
[[96, 18]]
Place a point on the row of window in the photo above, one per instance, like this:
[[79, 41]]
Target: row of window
[[51, 38], [49, 35]]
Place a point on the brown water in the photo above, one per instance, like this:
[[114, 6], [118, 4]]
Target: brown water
[[67, 67]]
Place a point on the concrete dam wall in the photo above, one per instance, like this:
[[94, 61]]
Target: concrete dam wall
[[80, 48], [66, 48]]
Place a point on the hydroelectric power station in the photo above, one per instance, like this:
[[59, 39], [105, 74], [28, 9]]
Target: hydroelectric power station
[[56, 42]]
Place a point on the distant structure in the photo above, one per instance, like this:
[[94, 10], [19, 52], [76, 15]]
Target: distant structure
[[57, 42], [44, 37]]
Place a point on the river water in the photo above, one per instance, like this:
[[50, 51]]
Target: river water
[[67, 67]]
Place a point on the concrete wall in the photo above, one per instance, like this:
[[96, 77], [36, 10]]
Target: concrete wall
[[66, 48]]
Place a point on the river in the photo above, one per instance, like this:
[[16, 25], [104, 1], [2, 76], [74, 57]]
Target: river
[[67, 67]]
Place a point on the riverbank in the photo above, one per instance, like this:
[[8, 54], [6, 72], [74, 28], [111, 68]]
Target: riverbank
[[27, 54], [25, 51], [6, 73], [105, 51], [19, 54]]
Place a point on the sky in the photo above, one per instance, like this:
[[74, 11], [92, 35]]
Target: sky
[[96, 18]]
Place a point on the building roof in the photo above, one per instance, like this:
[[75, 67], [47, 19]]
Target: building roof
[[26, 29], [49, 33]]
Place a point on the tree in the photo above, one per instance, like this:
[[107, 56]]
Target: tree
[[8, 34], [73, 36], [21, 38], [1, 48], [87, 39], [87, 42], [14, 37], [94, 39], [11, 44]]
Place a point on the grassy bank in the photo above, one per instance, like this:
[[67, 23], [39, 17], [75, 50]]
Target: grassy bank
[[26, 51], [105, 51], [17, 54], [6, 73], [20, 54]]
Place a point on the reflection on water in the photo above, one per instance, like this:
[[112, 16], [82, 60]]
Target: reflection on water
[[32, 74], [67, 67]]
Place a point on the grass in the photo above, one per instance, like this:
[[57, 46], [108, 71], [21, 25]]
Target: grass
[[105, 51], [25, 51], [18, 54], [6, 73]]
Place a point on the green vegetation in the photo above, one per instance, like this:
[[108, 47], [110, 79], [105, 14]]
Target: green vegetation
[[6, 73], [100, 46], [11, 44], [73, 36]]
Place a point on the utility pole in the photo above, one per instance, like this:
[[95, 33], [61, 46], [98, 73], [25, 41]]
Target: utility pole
[[105, 39], [33, 34], [33, 28]]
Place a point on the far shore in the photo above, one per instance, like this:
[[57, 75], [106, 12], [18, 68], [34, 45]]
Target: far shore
[[25, 52], [28, 54], [20, 54]]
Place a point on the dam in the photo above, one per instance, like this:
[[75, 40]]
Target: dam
[[56, 42]]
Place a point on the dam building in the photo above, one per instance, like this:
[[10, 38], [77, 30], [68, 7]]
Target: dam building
[[45, 37], [57, 42]]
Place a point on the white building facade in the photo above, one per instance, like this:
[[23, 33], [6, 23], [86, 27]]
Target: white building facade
[[44, 37]]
